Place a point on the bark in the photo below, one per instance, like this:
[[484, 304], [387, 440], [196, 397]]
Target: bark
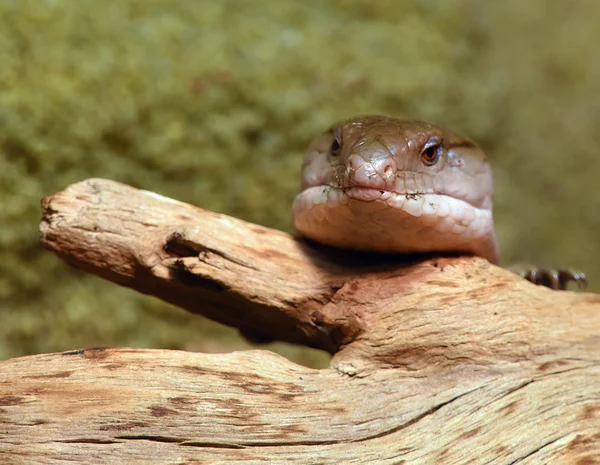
[[436, 360]]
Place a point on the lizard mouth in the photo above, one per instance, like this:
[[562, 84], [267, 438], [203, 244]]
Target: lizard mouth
[[414, 203], [369, 194], [366, 194]]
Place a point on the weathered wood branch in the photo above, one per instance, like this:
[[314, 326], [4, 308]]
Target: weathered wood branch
[[232, 271], [445, 360]]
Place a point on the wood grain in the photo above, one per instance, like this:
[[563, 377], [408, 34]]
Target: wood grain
[[436, 360]]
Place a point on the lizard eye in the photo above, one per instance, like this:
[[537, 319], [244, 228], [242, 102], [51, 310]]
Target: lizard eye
[[431, 152], [336, 144]]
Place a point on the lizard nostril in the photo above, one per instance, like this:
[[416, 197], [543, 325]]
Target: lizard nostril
[[388, 170]]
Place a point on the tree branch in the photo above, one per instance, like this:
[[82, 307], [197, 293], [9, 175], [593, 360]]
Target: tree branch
[[443, 360], [234, 272]]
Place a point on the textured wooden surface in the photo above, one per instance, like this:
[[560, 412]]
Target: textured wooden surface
[[439, 360]]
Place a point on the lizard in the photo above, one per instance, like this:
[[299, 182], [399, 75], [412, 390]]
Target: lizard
[[381, 184]]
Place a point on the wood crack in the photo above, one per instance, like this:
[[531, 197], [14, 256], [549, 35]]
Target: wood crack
[[537, 450]]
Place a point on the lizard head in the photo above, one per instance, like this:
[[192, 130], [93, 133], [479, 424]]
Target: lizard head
[[379, 183]]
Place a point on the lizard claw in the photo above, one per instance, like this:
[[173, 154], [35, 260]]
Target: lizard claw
[[554, 279]]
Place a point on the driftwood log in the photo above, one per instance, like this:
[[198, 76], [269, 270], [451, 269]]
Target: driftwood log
[[436, 360]]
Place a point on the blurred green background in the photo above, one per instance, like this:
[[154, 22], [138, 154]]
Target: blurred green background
[[213, 103]]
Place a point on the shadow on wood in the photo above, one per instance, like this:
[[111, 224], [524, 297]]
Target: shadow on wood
[[438, 360]]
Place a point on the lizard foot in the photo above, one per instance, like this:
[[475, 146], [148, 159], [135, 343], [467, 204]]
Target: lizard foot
[[554, 279]]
